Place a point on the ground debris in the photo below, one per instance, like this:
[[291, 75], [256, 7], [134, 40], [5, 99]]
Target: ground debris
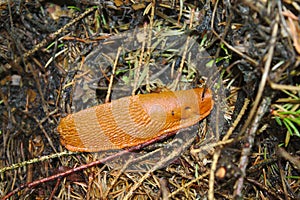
[[57, 58]]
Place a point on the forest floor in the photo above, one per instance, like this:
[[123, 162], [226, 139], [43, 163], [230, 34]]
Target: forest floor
[[60, 57]]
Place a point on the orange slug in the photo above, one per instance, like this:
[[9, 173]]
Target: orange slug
[[133, 120]]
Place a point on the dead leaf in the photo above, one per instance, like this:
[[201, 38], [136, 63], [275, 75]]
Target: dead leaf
[[293, 25], [31, 95]]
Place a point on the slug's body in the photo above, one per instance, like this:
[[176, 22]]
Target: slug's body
[[133, 120]]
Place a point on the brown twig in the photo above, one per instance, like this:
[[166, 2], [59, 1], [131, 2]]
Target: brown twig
[[55, 189], [263, 108], [284, 154], [267, 189], [112, 76], [184, 54], [140, 63]]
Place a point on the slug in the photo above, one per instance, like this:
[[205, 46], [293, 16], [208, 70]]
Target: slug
[[133, 120]]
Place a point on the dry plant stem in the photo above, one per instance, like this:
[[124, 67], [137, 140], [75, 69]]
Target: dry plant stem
[[265, 75], [283, 180], [35, 160], [55, 56], [268, 190], [216, 144], [89, 185], [180, 11], [82, 167], [218, 151], [213, 168], [276, 86], [45, 133], [237, 120], [184, 52], [252, 61], [188, 184], [149, 43], [284, 154], [251, 132], [224, 33], [282, 20], [216, 156], [168, 19], [160, 164], [55, 189], [138, 68], [114, 181], [112, 75]]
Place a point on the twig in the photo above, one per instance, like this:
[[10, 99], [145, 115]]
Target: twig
[[276, 86], [284, 154], [113, 75], [251, 132], [55, 189], [237, 120], [184, 52], [35, 160], [268, 190], [45, 133], [218, 151], [283, 180], [138, 68], [213, 168], [265, 75], [188, 184]]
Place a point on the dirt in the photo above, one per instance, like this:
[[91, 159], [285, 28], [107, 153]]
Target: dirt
[[59, 58]]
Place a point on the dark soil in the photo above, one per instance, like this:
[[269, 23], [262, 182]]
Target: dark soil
[[58, 57]]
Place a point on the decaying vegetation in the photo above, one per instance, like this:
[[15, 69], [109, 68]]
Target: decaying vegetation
[[57, 58]]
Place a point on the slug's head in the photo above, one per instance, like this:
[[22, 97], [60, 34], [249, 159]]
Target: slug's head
[[196, 103], [183, 107]]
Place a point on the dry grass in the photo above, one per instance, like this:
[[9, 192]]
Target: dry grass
[[56, 60]]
